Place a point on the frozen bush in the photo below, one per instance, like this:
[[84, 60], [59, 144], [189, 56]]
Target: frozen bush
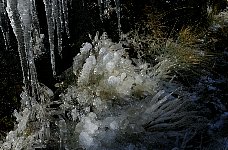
[[108, 82], [113, 105]]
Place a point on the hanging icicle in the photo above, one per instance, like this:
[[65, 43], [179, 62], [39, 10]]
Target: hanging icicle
[[57, 19], [65, 14], [56, 12], [117, 2], [24, 8], [51, 30], [100, 9], [35, 21], [18, 31], [25, 23], [3, 23], [37, 37], [19, 12]]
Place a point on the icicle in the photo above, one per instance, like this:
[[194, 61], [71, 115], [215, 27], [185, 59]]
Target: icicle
[[3, 24], [19, 13], [101, 10], [65, 12], [51, 29], [24, 8], [117, 2], [1, 14], [35, 21], [1, 27], [1, 9], [18, 31], [36, 36], [61, 14], [57, 17]]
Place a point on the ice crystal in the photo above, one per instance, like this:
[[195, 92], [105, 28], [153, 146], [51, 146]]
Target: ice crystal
[[113, 105]]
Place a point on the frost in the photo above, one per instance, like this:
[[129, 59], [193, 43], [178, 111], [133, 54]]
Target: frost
[[107, 82], [86, 48], [89, 126], [123, 76], [102, 51], [87, 69], [74, 114], [108, 57], [112, 80], [113, 105], [86, 140], [110, 66], [117, 102], [114, 125]]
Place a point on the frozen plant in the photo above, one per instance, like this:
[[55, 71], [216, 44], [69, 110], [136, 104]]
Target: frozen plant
[[113, 105], [116, 100]]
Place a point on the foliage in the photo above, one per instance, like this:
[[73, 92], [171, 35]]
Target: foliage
[[111, 100], [126, 95]]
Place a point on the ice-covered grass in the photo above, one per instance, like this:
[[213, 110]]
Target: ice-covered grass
[[115, 104]]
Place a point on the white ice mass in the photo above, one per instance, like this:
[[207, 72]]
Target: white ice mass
[[119, 107]]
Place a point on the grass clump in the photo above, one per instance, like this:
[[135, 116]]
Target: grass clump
[[184, 51]]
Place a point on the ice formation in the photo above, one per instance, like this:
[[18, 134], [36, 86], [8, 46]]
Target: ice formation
[[4, 29], [19, 13], [57, 18], [24, 21], [113, 105], [50, 22], [106, 9], [118, 15]]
